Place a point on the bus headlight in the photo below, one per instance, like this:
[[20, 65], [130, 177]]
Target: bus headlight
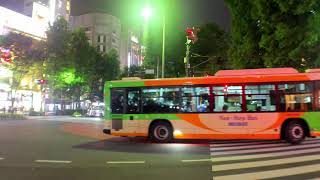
[[177, 133]]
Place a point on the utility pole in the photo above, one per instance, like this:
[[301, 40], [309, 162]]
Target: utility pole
[[192, 37], [187, 58]]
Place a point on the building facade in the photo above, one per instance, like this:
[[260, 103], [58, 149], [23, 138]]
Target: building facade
[[12, 21], [53, 9], [102, 30], [131, 49]]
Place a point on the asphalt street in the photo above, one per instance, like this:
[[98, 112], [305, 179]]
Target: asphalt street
[[63, 148], [76, 149]]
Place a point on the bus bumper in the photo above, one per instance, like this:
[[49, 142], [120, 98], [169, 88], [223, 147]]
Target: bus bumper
[[107, 131]]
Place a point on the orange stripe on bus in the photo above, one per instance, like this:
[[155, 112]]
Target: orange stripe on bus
[[282, 117], [129, 134], [194, 119], [315, 134], [233, 79], [228, 136]]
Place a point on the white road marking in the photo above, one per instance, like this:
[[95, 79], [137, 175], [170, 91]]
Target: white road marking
[[53, 161], [235, 166], [126, 162], [240, 143], [296, 147], [272, 173], [197, 160], [258, 156], [1, 158], [258, 146], [235, 144]]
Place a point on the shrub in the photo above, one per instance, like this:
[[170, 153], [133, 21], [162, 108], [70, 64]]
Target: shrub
[[12, 117], [76, 114]]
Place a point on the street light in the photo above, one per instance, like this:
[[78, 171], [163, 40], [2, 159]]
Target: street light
[[147, 13]]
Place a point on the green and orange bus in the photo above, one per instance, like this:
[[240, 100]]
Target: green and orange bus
[[274, 103]]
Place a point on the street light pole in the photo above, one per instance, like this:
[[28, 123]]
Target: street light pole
[[163, 44], [147, 13]]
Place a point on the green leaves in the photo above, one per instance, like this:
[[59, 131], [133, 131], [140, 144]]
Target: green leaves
[[275, 33]]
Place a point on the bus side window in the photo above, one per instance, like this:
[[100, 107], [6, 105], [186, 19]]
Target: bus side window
[[317, 95], [133, 101], [117, 101], [296, 97]]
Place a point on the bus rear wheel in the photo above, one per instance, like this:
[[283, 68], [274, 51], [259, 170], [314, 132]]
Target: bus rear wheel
[[295, 132], [161, 132]]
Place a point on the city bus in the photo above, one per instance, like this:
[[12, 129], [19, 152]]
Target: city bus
[[272, 103]]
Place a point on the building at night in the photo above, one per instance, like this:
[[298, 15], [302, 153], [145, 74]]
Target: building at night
[[33, 26], [12, 21], [131, 49], [102, 30], [55, 8]]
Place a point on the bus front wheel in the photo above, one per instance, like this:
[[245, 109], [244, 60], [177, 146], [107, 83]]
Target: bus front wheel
[[295, 132], [161, 132]]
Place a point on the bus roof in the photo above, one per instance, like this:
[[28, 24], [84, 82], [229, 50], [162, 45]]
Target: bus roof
[[226, 77]]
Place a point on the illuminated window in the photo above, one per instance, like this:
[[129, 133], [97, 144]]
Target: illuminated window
[[227, 98], [260, 98], [296, 96], [195, 99], [161, 100]]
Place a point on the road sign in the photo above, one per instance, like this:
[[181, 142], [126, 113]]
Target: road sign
[[149, 71]]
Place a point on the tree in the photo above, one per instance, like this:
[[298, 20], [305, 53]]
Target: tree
[[209, 53], [83, 60], [58, 46], [27, 55], [275, 33]]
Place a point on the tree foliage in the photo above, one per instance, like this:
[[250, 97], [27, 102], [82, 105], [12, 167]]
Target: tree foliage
[[275, 33], [212, 46], [27, 56], [75, 65]]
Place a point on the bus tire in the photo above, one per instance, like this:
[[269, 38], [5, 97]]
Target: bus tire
[[161, 132], [295, 132]]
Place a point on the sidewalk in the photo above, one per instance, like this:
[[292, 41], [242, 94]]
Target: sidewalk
[[67, 119]]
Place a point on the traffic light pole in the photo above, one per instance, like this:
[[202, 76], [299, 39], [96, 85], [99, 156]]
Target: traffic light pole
[[187, 58], [163, 45]]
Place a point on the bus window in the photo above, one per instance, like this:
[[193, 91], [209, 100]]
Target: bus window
[[161, 100], [260, 98], [317, 95], [195, 99], [117, 101], [227, 98], [133, 101], [296, 97]]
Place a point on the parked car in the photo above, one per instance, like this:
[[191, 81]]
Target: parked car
[[96, 111]]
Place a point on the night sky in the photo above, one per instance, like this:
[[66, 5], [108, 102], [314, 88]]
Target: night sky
[[188, 12]]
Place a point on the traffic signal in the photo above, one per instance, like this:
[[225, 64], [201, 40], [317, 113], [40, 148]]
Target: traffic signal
[[6, 55], [192, 34], [41, 81]]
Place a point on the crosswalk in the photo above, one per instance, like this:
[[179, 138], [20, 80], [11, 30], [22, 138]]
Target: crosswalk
[[265, 160]]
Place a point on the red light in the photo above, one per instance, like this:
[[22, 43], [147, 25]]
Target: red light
[[190, 33], [41, 81], [225, 89]]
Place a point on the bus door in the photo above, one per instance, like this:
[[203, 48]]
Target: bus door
[[133, 109], [118, 108]]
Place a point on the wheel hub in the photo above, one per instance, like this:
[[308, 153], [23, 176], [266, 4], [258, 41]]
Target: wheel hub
[[161, 132], [297, 132]]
